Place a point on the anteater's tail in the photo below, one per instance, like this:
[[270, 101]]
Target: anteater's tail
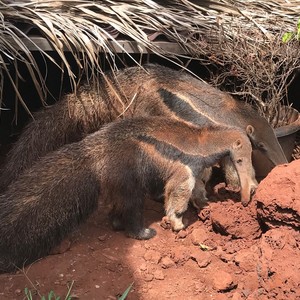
[[42, 206]]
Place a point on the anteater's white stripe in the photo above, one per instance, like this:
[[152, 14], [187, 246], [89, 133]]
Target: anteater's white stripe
[[187, 100]]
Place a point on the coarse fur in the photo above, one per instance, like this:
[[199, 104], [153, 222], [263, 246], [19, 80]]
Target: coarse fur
[[120, 164], [135, 92]]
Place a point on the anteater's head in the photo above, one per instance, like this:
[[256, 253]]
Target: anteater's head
[[260, 133], [241, 152], [263, 138]]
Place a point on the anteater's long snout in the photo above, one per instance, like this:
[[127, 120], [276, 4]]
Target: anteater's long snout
[[248, 188], [273, 149], [277, 156]]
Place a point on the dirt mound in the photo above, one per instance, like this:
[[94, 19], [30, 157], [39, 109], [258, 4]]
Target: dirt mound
[[224, 253], [278, 197]]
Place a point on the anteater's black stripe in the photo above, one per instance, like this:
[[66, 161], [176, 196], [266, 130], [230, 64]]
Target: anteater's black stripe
[[195, 162], [182, 109]]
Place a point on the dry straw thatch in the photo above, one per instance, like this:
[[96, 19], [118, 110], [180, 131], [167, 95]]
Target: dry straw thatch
[[214, 32]]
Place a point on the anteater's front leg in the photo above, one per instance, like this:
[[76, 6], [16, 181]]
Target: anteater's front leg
[[199, 196], [178, 191], [231, 175]]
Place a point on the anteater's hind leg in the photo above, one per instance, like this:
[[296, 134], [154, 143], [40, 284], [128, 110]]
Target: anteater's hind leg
[[178, 192], [130, 217], [134, 225]]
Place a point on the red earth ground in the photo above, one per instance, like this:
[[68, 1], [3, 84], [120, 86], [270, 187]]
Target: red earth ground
[[227, 252]]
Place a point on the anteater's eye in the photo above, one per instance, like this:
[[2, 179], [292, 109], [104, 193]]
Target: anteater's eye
[[239, 161], [261, 145]]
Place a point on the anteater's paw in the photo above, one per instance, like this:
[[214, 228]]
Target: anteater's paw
[[176, 221], [143, 234], [178, 226], [165, 223]]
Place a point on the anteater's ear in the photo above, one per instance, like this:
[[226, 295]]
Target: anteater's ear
[[250, 130], [237, 144]]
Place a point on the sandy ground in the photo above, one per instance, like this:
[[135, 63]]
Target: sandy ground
[[227, 252]]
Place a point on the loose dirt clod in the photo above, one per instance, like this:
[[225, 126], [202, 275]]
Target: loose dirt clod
[[223, 281], [199, 236], [166, 262], [202, 258], [152, 256]]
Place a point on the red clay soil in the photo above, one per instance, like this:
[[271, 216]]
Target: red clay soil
[[227, 252]]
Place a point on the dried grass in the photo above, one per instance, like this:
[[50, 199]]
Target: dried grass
[[257, 71], [84, 28]]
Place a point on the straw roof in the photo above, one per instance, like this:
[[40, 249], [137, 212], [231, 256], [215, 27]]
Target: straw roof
[[87, 28]]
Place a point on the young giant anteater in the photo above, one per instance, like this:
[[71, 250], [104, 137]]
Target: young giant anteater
[[134, 92], [120, 164]]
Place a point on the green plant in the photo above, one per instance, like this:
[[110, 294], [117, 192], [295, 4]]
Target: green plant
[[51, 295], [292, 34], [125, 294]]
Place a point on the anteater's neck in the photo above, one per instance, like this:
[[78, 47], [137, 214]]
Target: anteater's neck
[[175, 137], [193, 140]]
